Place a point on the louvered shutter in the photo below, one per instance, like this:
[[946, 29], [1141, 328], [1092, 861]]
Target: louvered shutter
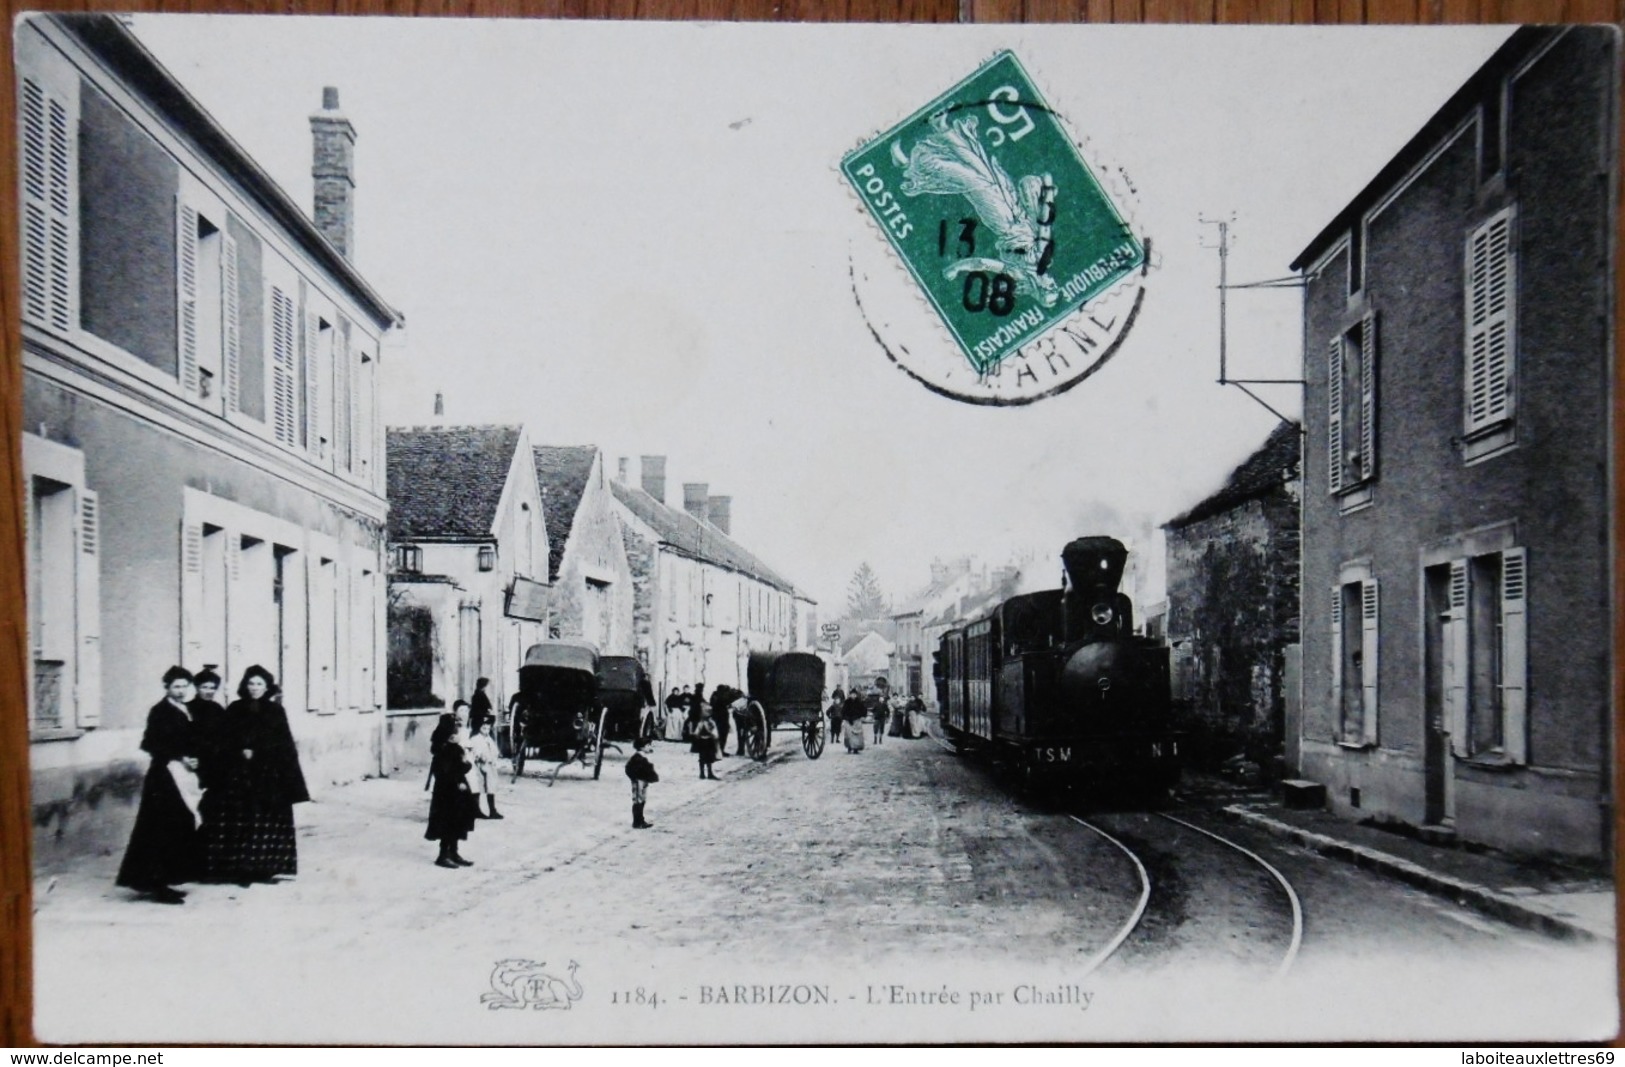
[[1455, 660], [313, 396], [1368, 396], [284, 401], [192, 614], [88, 597], [1491, 301], [1368, 650], [1515, 653], [230, 324], [240, 614], [48, 167], [343, 666], [1337, 661], [186, 294], [1334, 415]]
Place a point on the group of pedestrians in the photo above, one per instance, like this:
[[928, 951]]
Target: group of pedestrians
[[707, 723], [887, 714], [217, 801]]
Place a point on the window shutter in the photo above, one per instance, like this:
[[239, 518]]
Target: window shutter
[[230, 324], [192, 613], [1368, 650], [186, 293], [343, 666], [1491, 300], [87, 590], [284, 401], [1515, 653], [36, 228], [239, 611], [62, 170], [1337, 659], [1334, 420], [313, 373], [1455, 660], [1368, 396]]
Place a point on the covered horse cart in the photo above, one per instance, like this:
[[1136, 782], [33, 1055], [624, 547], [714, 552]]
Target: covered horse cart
[[558, 716], [786, 690]]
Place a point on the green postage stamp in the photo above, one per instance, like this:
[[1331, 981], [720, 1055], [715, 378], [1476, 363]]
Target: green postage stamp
[[995, 213]]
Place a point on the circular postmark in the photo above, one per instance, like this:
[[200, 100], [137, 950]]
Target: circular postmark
[[1021, 271]]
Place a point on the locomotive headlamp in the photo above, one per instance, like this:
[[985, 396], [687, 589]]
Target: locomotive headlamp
[[1101, 613]]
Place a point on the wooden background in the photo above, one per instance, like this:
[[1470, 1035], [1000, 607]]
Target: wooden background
[[15, 824]]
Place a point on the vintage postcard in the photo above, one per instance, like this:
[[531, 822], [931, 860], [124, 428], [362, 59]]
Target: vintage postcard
[[618, 533]]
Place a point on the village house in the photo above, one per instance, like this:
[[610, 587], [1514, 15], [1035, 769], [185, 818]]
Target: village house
[[1456, 533], [702, 603], [1231, 616], [592, 583], [203, 459], [468, 568]]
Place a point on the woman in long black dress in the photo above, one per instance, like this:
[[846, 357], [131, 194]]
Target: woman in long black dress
[[254, 778], [451, 805], [164, 846]]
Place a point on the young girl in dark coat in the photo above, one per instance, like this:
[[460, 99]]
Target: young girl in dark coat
[[164, 846], [705, 743], [451, 805]]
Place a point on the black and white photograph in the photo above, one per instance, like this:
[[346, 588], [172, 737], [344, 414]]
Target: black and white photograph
[[625, 533]]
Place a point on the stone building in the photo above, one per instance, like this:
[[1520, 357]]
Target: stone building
[[1231, 618], [468, 569], [1456, 528], [203, 459], [702, 603], [592, 591]]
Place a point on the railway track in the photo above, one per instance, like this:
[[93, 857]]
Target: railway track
[[1173, 865], [1137, 920]]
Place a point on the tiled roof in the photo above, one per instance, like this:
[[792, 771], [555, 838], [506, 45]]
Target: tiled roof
[[445, 481], [694, 538], [561, 474], [1274, 464]]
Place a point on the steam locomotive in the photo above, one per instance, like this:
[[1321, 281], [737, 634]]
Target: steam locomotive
[[1058, 684]]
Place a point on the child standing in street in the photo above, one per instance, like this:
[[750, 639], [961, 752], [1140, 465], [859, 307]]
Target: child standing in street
[[705, 743], [642, 772]]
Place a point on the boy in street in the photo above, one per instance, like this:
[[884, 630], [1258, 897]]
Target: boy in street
[[642, 773]]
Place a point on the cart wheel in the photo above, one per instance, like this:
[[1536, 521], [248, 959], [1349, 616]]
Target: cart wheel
[[812, 738], [598, 758], [760, 738]]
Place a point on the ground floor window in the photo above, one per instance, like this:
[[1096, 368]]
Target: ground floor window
[[1481, 658], [1355, 619]]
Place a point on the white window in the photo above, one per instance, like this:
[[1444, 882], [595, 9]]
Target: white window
[[1486, 656], [1354, 621], [1351, 388], [206, 307], [1491, 343], [48, 143], [64, 617]]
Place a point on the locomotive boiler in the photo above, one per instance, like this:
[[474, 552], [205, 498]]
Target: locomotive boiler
[[1058, 684]]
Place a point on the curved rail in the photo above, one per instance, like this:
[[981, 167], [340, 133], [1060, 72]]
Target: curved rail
[[1139, 908], [1291, 894]]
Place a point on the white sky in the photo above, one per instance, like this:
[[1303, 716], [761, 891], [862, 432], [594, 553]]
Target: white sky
[[634, 235]]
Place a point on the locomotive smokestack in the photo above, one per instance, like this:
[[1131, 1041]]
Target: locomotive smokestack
[[1094, 569]]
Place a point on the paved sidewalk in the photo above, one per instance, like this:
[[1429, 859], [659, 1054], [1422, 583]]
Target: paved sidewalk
[[1552, 898]]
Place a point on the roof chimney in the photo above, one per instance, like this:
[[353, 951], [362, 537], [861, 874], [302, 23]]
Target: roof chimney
[[439, 405], [333, 168], [654, 476], [622, 466], [697, 501], [721, 509]]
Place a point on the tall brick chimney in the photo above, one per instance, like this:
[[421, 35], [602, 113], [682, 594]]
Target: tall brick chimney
[[653, 469], [697, 500], [721, 508], [333, 168], [622, 466]]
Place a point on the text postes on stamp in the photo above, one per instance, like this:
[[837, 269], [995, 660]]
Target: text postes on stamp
[[1003, 226]]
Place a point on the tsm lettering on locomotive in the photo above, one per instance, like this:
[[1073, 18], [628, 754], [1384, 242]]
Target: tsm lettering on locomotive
[[1059, 684]]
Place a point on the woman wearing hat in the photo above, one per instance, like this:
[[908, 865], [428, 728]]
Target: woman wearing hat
[[164, 846]]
